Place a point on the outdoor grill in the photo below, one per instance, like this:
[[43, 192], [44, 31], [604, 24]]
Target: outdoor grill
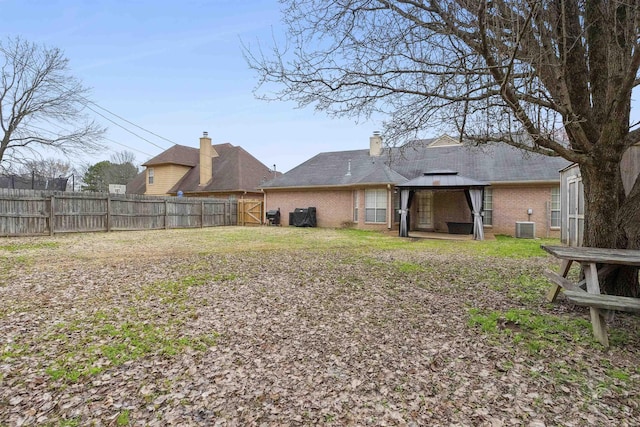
[[303, 217], [273, 216]]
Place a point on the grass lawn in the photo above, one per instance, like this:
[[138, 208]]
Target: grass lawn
[[298, 326]]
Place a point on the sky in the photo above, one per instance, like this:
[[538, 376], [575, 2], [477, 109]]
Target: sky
[[176, 68]]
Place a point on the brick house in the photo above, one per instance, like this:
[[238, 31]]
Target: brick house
[[221, 171], [358, 188]]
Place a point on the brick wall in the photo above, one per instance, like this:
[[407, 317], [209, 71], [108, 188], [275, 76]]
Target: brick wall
[[449, 206], [334, 208], [510, 204]]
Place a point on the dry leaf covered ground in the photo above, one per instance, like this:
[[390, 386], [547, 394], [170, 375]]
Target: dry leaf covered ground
[[285, 326]]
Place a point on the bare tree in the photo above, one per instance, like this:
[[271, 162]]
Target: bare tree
[[41, 105], [123, 157], [49, 168], [519, 72]]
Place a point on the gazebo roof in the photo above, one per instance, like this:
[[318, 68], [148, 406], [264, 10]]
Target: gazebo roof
[[442, 179]]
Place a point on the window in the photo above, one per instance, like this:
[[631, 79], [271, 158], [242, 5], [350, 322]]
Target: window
[[356, 204], [375, 206], [555, 207], [487, 204], [150, 175], [396, 206]]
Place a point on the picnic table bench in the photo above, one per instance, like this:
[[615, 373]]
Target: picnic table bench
[[608, 261]]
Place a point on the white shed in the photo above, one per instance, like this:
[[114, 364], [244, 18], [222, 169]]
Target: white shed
[[572, 195]]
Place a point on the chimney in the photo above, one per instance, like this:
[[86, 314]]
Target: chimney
[[375, 144], [207, 153]]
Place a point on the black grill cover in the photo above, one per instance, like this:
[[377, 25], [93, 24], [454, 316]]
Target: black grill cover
[[303, 217]]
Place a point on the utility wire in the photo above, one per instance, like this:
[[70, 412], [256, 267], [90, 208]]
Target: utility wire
[[88, 101], [107, 139], [133, 124], [119, 125]]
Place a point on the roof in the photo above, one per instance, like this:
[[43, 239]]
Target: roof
[[497, 163], [442, 179], [137, 185], [234, 169], [341, 168], [176, 155]]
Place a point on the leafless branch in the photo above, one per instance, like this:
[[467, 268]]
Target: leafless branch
[[41, 105]]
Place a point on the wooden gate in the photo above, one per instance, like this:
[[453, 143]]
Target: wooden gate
[[250, 212]]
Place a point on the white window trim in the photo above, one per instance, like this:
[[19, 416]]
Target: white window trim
[[356, 206], [551, 210], [376, 209], [484, 210]]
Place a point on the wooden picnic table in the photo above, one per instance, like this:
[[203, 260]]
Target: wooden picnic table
[[597, 263]]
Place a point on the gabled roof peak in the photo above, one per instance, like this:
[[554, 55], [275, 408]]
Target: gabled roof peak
[[444, 141]]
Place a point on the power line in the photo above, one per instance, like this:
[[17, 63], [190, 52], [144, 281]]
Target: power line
[[119, 125], [107, 139], [88, 101], [133, 124]]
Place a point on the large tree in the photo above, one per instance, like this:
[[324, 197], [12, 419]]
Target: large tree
[[521, 72], [41, 104], [120, 170]]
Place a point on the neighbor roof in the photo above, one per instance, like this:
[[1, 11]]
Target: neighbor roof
[[176, 155], [491, 163], [234, 169]]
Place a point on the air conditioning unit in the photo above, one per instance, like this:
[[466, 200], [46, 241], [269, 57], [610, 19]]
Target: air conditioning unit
[[525, 230]]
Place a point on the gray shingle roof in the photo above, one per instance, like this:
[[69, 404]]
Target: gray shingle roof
[[442, 179], [491, 163]]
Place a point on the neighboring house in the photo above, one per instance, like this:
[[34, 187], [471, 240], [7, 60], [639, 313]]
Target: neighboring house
[[358, 188], [221, 171]]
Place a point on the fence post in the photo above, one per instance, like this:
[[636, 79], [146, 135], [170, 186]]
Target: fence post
[[202, 214], [52, 215], [166, 214], [108, 212]]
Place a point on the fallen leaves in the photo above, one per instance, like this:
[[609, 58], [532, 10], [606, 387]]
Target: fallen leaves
[[298, 337]]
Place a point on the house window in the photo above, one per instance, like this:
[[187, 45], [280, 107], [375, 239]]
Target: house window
[[555, 207], [487, 204], [356, 204], [150, 175], [375, 206], [396, 206]]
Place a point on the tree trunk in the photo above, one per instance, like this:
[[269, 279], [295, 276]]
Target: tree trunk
[[612, 220]]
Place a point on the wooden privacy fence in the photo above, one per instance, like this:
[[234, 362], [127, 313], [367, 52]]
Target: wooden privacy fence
[[33, 212]]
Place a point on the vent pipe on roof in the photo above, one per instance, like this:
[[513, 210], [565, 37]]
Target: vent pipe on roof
[[349, 168], [375, 144]]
